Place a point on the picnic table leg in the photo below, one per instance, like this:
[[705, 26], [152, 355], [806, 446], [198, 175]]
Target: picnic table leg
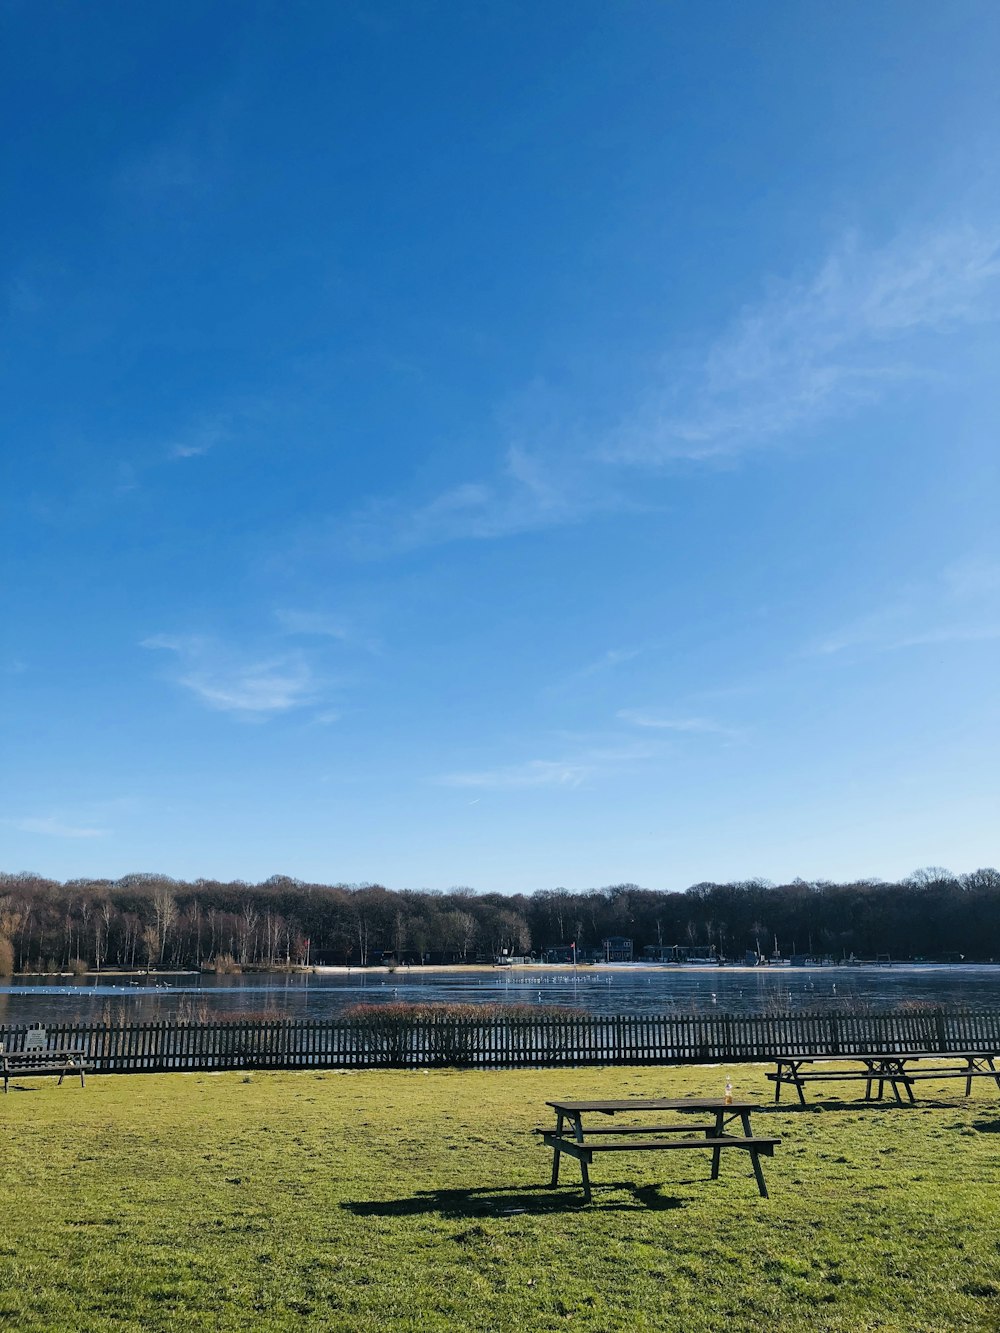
[[981, 1065], [754, 1154], [716, 1152], [887, 1074], [901, 1068], [584, 1167], [555, 1151], [798, 1082], [585, 1173], [777, 1082], [755, 1158], [874, 1071], [896, 1074]]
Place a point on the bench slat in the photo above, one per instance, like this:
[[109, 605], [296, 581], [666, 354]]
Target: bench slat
[[872, 1076], [636, 1145], [632, 1129]]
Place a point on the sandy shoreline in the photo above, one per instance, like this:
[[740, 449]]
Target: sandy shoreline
[[522, 969]]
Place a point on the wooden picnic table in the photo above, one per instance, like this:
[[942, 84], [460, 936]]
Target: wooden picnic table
[[34, 1062], [898, 1070], [581, 1141]]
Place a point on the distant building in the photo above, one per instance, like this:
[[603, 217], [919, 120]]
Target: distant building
[[563, 953], [678, 953], [660, 953], [617, 949]]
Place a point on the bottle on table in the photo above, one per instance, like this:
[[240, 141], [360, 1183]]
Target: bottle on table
[[729, 1092]]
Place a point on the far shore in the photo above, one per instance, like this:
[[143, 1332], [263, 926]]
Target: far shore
[[406, 969], [485, 969]]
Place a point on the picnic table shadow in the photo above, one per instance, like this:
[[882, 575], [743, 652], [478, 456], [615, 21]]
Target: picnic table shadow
[[537, 1200], [884, 1107]]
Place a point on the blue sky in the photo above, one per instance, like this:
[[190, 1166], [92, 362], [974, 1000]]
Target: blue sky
[[510, 445]]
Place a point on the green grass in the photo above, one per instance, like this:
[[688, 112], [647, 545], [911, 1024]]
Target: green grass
[[384, 1201]]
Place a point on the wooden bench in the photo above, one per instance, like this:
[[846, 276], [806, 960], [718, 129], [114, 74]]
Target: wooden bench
[[876, 1070], [38, 1060], [975, 1066], [581, 1143]]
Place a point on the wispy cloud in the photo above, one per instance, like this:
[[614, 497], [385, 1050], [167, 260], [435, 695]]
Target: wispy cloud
[[962, 605], [613, 657], [582, 679], [347, 632], [51, 827], [200, 438], [533, 773], [816, 348], [865, 322], [251, 686], [572, 771], [528, 493], [652, 720], [315, 624]]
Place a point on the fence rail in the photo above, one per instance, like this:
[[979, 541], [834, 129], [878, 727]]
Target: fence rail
[[546, 1041]]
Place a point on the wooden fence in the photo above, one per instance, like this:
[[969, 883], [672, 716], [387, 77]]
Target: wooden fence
[[404, 1043]]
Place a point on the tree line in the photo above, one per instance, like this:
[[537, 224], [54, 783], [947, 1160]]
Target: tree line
[[154, 921]]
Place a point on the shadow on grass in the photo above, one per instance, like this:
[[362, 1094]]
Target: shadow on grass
[[986, 1126], [535, 1199], [837, 1104]]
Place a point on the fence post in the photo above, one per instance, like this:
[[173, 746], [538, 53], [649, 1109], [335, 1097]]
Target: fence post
[[834, 1035]]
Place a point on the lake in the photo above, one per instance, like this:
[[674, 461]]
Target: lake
[[635, 990]]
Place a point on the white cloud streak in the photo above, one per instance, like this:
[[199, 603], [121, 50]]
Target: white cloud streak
[[528, 494], [961, 606], [314, 624], [51, 827], [865, 323], [201, 438], [251, 687], [814, 349], [533, 773], [641, 717], [572, 771]]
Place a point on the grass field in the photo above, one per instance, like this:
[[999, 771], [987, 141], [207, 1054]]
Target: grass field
[[382, 1200]]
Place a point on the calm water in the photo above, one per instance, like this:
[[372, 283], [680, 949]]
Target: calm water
[[631, 991]]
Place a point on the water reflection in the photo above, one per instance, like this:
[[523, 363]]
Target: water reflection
[[634, 990]]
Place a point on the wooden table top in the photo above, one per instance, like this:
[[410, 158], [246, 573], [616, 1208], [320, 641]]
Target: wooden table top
[[655, 1104]]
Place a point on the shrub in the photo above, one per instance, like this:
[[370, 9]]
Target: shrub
[[422, 1010]]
